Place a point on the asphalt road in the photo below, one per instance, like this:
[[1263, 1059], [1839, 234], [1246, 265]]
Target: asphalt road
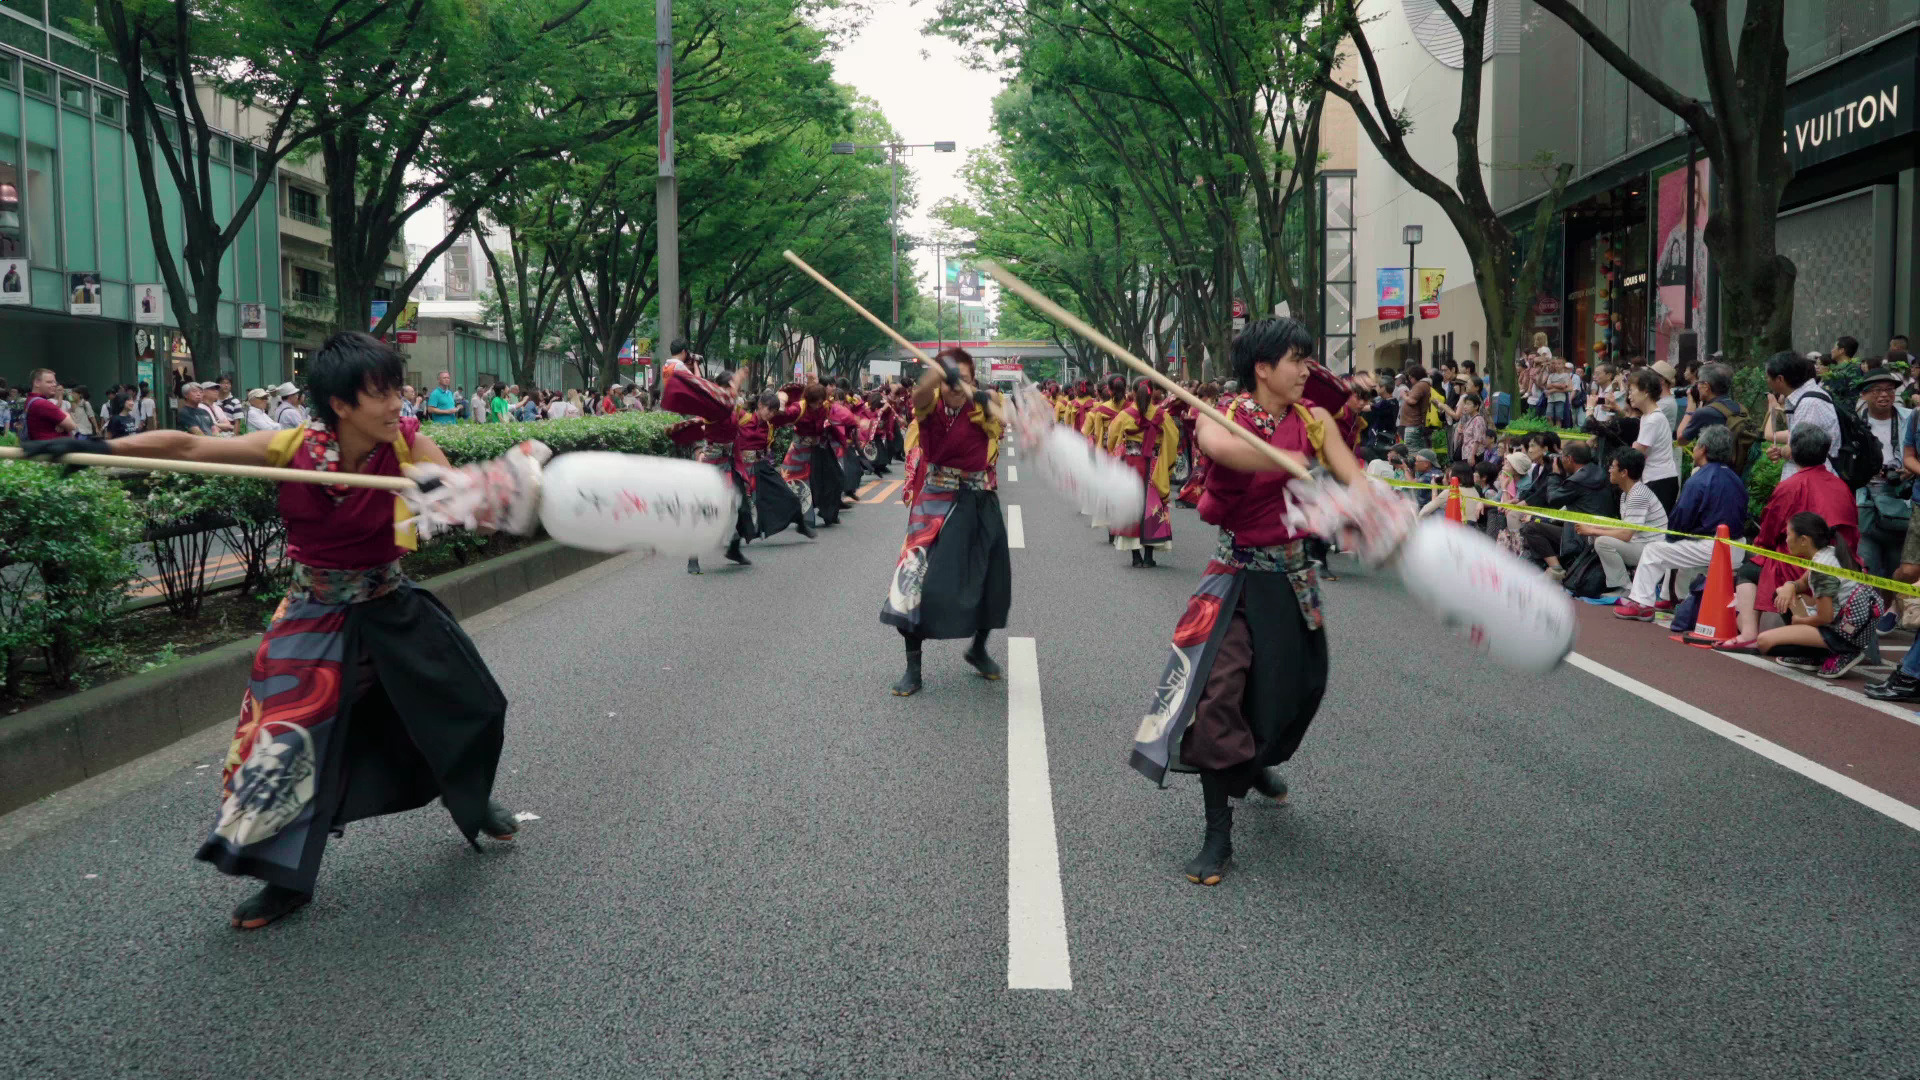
[[751, 860]]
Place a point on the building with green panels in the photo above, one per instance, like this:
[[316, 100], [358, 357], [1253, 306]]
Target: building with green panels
[[75, 243], [475, 358]]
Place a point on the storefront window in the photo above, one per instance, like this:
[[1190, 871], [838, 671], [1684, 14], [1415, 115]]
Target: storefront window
[[13, 235], [45, 248]]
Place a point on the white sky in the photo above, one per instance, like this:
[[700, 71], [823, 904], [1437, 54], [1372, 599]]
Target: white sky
[[937, 98]]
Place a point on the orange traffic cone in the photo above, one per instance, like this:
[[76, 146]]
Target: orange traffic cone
[[1717, 620], [1453, 502]]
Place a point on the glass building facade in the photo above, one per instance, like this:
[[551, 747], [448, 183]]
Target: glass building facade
[[1631, 272], [77, 257]]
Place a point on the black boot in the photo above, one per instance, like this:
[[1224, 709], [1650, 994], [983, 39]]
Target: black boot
[[268, 904], [977, 656], [909, 683], [1149, 563], [734, 553], [693, 565], [1208, 867], [805, 528], [499, 823], [1138, 561], [1269, 782]]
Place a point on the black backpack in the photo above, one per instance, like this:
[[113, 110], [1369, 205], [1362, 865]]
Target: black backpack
[[1858, 460]]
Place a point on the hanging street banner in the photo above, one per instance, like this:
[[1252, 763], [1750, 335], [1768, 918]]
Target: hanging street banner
[[1392, 284], [1430, 282]]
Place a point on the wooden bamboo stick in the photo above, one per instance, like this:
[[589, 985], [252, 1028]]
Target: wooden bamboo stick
[[214, 468], [1048, 307]]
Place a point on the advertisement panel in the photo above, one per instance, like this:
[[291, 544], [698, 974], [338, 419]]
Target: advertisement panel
[[1391, 283], [1431, 281]]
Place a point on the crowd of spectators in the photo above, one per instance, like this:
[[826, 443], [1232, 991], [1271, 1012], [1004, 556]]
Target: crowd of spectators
[[1822, 469]]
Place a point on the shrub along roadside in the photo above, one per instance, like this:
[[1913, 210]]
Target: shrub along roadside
[[67, 541], [65, 566]]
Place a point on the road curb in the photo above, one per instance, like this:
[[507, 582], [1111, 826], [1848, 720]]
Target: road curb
[[51, 747]]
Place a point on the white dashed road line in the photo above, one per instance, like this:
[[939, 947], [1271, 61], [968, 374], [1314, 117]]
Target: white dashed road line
[[1037, 956], [1013, 474], [1016, 531]]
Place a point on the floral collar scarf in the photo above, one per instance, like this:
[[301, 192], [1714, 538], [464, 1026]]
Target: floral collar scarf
[[322, 445]]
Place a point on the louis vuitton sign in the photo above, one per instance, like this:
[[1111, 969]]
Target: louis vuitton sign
[[1858, 106]]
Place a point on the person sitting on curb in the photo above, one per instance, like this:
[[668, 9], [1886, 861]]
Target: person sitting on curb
[[1619, 549], [1829, 619], [1714, 496], [1577, 483], [1811, 490]]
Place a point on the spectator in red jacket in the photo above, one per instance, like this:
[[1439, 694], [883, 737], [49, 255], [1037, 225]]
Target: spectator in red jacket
[[1811, 490]]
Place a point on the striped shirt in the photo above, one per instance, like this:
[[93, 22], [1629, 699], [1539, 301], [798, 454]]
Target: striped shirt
[[1640, 506]]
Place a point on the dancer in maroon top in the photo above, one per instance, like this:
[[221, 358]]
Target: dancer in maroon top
[[954, 577], [366, 697], [1249, 660]]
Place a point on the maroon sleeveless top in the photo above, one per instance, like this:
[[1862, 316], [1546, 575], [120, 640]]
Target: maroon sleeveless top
[[353, 531]]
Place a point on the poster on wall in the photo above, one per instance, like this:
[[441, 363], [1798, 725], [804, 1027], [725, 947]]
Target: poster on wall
[[1670, 270], [1392, 284], [15, 286], [253, 321], [149, 305], [1431, 281], [83, 294], [407, 327], [376, 311]]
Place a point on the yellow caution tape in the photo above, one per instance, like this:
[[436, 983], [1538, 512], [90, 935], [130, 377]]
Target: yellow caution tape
[[1886, 584]]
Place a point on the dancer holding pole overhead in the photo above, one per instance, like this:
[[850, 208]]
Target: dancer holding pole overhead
[[366, 697], [1146, 438], [954, 577]]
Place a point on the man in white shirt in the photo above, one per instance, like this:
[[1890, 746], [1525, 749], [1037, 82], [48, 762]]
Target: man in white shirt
[[257, 418], [1795, 391], [1619, 549], [148, 410], [289, 413]]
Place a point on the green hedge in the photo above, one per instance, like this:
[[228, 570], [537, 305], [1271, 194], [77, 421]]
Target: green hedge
[[67, 540], [66, 566]]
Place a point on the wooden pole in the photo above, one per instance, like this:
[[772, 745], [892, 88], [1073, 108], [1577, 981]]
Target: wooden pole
[[1048, 307], [212, 468], [855, 305]]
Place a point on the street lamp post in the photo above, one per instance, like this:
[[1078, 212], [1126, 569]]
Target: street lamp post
[[1411, 235], [893, 204], [667, 195]]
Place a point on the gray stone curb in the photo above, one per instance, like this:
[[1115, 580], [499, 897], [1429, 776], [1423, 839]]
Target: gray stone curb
[[50, 747]]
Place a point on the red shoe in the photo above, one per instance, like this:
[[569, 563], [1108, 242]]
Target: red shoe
[[1664, 605], [1627, 609]]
